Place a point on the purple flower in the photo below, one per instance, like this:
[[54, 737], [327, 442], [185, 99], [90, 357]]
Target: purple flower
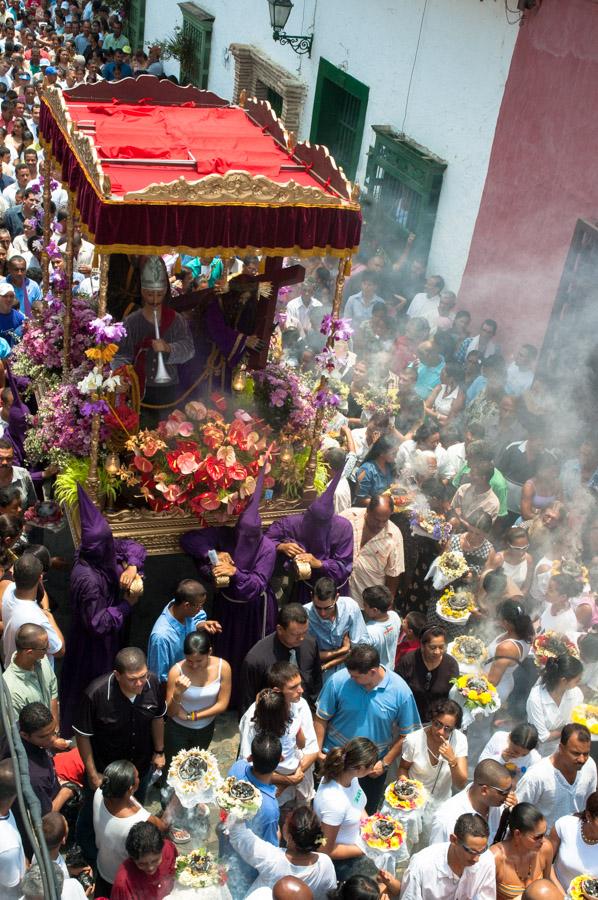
[[326, 325], [326, 398], [98, 406], [340, 329], [326, 360], [105, 331]]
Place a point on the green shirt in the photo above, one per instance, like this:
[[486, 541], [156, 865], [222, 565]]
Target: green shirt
[[498, 483], [36, 686]]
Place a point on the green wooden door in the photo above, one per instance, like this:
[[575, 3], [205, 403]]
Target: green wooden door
[[197, 32], [136, 25], [338, 118]]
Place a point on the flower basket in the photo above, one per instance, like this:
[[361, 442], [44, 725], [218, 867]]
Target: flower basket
[[469, 652], [430, 525], [584, 887], [195, 776], [586, 714], [446, 568], [239, 798], [476, 695], [455, 606], [551, 645], [382, 839]]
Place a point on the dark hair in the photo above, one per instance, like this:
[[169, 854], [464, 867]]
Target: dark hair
[[525, 736], [453, 371], [566, 585], [488, 772], [480, 520], [188, 590], [514, 614], [495, 582], [336, 458], [8, 782], [266, 751], [325, 588], [484, 468], [588, 647], [377, 597], [54, 829], [34, 716], [27, 570], [416, 622], [477, 431], [129, 659], [356, 753], [425, 431], [28, 635], [370, 276], [280, 673], [291, 612], [592, 804], [357, 887], [144, 837], [271, 714], [581, 732], [564, 666], [516, 532], [197, 642], [491, 323], [434, 631], [118, 778], [42, 553], [384, 444], [305, 828], [524, 817], [447, 708], [472, 824], [9, 493], [362, 658]]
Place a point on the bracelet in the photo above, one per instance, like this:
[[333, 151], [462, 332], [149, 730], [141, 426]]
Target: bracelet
[[452, 765]]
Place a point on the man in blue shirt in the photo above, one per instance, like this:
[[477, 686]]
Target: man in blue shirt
[[11, 319], [336, 623], [25, 289], [368, 700], [431, 364], [266, 752], [183, 615], [117, 69]]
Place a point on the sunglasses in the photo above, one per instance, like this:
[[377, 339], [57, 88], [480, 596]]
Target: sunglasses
[[428, 681], [503, 793], [441, 727], [471, 851], [538, 837]]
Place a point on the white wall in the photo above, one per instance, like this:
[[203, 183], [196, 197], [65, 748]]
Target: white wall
[[457, 84]]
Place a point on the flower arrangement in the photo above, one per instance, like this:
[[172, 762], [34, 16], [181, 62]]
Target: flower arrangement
[[45, 514], [468, 649], [586, 714], [382, 832], [567, 566], [61, 426], [238, 797], [283, 400], [478, 692], [199, 869], [101, 380], [455, 606], [196, 461], [76, 471], [39, 353], [551, 645], [378, 398], [430, 524], [194, 775], [406, 794], [453, 564], [584, 887]]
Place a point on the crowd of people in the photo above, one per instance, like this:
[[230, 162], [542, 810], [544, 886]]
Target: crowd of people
[[322, 633]]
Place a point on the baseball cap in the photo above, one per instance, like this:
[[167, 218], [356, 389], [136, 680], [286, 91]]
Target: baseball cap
[[50, 70], [126, 49], [6, 288], [65, 4], [44, 62], [4, 348]]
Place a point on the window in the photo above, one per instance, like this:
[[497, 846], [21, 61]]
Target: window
[[404, 181], [136, 24], [264, 79], [197, 30], [338, 117]]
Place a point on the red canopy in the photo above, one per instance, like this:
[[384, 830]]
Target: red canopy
[[155, 166]]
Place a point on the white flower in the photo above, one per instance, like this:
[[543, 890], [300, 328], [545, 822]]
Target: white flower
[[112, 383], [92, 383]]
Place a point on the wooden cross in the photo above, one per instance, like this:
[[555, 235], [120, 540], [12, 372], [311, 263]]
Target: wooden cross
[[264, 325]]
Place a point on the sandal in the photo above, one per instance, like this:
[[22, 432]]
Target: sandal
[[180, 835]]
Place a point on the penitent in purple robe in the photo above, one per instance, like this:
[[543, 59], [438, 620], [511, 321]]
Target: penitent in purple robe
[[247, 608], [323, 534], [98, 613]]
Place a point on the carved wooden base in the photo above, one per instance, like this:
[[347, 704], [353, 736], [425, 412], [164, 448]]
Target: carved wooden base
[[160, 532]]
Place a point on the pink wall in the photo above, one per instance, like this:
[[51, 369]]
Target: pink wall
[[543, 172]]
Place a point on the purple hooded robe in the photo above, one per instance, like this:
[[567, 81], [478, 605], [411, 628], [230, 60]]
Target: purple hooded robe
[[98, 612], [247, 608], [323, 534]]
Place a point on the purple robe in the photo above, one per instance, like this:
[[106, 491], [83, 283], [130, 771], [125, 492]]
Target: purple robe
[[247, 608], [98, 615], [335, 552], [218, 345]]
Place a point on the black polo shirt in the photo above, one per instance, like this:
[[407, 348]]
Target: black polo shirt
[[269, 650], [117, 727], [428, 685]]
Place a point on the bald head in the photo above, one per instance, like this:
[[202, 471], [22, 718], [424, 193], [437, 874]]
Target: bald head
[[31, 637], [291, 888], [541, 890], [489, 771]]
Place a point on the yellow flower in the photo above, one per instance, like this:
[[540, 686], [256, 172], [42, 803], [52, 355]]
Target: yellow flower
[[486, 697], [102, 354]]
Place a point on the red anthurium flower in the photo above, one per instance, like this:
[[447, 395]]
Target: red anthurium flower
[[142, 464]]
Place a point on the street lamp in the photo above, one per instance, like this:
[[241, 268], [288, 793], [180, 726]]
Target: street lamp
[[280, 11]]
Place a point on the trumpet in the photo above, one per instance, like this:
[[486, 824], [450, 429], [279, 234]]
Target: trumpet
[[162, 376]]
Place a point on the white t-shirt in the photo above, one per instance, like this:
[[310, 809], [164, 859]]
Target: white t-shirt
[[429, 877], [564, 622], [549, 790], [446, 815], [17, 612], [543, 712], [12, 858], [337, 805], [111, 834], [436, 779], [72, 890], [499, 742], [385, 636], [301, 717], [575, 857]]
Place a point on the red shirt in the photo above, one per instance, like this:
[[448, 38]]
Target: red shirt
[[133, 884], [404, 647]]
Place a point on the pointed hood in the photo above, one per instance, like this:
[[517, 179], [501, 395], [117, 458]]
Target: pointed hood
[[17, 421], [97, 543], [317, 519], [249, 525]]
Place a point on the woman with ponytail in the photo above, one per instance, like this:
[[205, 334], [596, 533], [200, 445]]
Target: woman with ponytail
[[525, 855], [551, 702], [340, 802], [304, 839], [510, 648]]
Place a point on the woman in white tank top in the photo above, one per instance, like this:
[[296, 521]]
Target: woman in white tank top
[[198, 690], [447, 399], [517, 563], [510, 648]]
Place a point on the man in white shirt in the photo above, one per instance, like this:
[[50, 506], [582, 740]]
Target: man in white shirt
[[426, 305], [461, 869], [378, 555], [12, 857], [560, 784], [299, 311], [11, 474], [23, 176], [491, 787], [19, 607], [359, 307], [520, 373]]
